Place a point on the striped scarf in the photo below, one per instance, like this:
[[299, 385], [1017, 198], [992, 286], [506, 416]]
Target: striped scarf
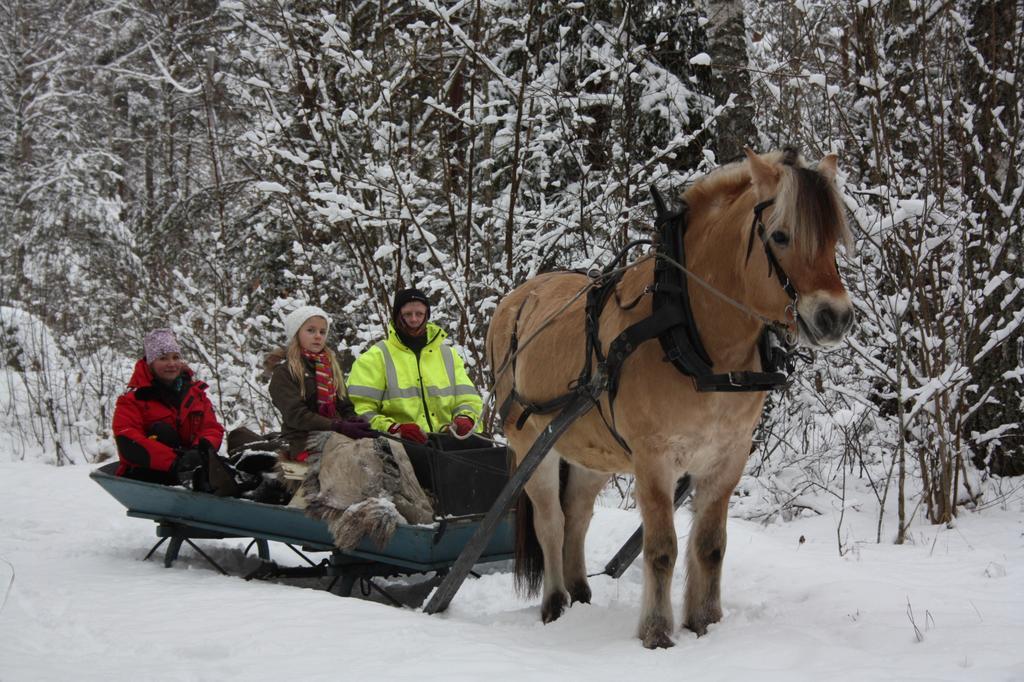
[[325, 389]]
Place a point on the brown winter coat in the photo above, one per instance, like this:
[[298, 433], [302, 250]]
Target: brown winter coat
[[299, 416]]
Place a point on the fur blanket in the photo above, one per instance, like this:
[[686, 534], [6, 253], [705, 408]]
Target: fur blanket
[[364, 488]]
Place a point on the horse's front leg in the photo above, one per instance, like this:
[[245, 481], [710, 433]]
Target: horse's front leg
[[549, 525], [654, 490], [706, 553], [578, 505]]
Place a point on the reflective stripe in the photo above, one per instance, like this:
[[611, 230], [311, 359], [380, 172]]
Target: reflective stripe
[[392, 391], [401, 393], [367, 392], [370, 415], [463, 408], [450, 391], [449, 363]]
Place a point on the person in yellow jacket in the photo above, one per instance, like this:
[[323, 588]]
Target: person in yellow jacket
[[413, 382]]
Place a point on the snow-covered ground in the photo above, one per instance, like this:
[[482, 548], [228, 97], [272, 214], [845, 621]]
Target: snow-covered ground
[[77, 603]]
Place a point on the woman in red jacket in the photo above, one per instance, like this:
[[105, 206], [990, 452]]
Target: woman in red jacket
[[164, 426]]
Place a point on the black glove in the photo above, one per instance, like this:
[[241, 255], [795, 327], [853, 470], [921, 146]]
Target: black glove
[[186, 464], [353, 427]]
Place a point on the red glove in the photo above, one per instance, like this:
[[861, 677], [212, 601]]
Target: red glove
[[409, 432], [462, 426]]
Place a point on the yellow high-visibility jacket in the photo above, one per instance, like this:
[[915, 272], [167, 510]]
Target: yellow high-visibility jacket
[[388, 384]]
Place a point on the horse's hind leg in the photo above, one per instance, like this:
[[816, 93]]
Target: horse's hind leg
[[549, 525], [654, 490], [705, 555], [578, 506]]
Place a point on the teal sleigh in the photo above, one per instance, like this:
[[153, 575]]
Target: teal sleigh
[[463, 477]]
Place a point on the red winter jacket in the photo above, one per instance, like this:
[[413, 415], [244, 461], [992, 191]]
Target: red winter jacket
[[145, 404]]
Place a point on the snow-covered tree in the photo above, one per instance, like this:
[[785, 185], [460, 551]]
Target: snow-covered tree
[[932, 187], [461, 148]]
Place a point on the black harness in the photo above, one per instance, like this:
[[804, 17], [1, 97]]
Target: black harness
[[671, 322], [681, 341]]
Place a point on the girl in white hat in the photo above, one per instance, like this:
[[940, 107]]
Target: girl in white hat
[[308, 387]]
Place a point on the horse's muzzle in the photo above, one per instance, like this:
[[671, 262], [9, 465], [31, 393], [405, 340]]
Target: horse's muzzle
[[825, 321]]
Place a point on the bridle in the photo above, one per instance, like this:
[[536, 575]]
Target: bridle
[[774, 266]]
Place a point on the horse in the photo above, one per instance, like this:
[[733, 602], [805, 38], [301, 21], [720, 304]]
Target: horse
[[660, 426]]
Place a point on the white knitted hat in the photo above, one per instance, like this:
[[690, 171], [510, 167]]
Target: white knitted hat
[[295, 319]]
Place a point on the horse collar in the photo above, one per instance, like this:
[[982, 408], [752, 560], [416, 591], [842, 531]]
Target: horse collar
[[677, 329]]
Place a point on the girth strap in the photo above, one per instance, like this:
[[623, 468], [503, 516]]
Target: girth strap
[[530, 407]]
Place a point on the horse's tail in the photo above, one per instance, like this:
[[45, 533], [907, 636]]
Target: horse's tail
[[529, 561], [529, 557]]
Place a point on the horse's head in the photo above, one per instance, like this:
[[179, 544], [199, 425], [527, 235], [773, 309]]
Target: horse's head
[[799, 218]]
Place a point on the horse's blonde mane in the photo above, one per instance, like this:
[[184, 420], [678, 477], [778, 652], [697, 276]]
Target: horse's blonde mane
[[723, 185], [806, 202]]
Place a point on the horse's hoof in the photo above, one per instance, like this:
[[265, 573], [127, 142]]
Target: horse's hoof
[[697, 629], [655, 635], [658, 640], [699, 624], [580, 592], [553, 607]]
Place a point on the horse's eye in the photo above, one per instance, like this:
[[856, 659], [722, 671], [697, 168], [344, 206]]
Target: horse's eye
[[780, 238]]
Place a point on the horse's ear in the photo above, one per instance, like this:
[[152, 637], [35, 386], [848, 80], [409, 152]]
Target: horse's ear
[[828, 167], [764, 174]]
